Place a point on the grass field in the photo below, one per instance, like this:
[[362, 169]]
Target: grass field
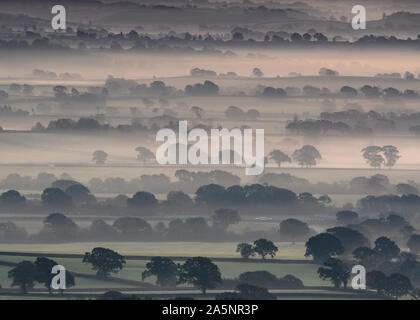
[[208, 249], [128, 280], [133, 268]]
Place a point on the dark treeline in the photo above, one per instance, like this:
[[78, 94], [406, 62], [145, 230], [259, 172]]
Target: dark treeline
[[58, 227], [377, 184], [383, 259], [72, 197], [191, 43], [345, 92], [190, 181], [355, 122]]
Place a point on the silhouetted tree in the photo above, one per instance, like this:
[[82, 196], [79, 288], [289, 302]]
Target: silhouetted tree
[[349, 238], [372, 156], [235, 113], [99, 157], [164, 269], [323, 246], [294, 229], [56, 198], [306, 156], [391, 154], [23, 275], [336, 271], [256, 72], [131, 226], [104, 261], [44, 276], [387, 248], [376, 280], [60, 226], [246, 250], [198, 112], [348, 92], [397, 285], [80, 194], [278, 157], [201, 272], [143, 200], [265, 247], [144, 154], [12, 198], [405, 188]]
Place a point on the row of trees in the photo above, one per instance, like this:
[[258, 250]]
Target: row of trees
[[377, 156], [26, 273], [345, 92], [198, 271], [395, 285], [262, 247], [74, 197], [305, 156]]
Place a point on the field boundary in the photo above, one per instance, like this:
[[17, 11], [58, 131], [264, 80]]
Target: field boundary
[[139, 257]]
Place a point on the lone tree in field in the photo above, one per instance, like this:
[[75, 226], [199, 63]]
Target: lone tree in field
[[278, 157], [164, 269], [306, 156], [335, 271], [265, 247], [144, 154], [224, 217], [293, 229], [198, 112], [256, 72], [373, 156], [377, 156], [246, 250], [391, 155], [104, 261], [23, 275], [201, 272], [323, 246], [99, 157]]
